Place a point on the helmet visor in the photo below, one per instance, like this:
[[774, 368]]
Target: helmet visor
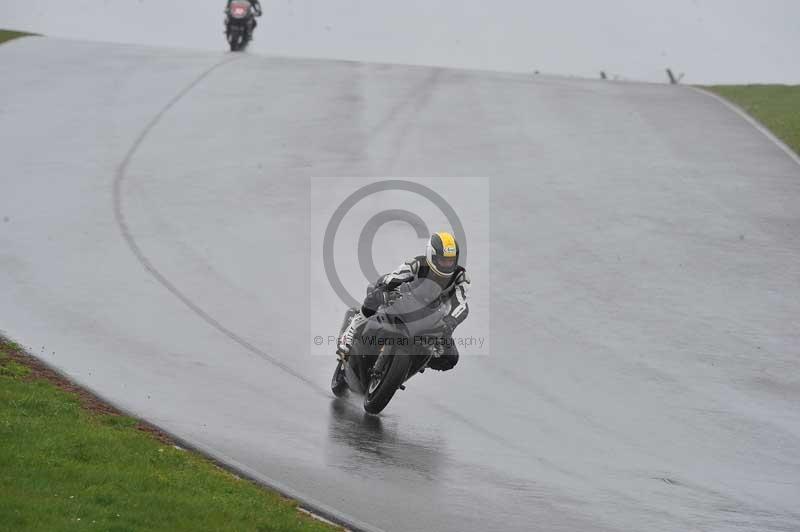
[[445, 264]]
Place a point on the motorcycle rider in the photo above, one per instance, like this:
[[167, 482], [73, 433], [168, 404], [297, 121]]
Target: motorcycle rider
[[440, 264], [254, 4]]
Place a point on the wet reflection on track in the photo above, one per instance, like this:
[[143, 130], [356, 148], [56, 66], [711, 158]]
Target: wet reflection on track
[[363, 443]]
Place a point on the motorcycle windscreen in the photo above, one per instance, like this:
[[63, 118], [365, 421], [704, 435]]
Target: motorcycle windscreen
[[419, 308]]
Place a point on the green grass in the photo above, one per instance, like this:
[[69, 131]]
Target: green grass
[[7, 35], [775, 106], [63, 467]]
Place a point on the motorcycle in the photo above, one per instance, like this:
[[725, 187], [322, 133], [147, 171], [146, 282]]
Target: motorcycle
[[393, 345], [239, 24]]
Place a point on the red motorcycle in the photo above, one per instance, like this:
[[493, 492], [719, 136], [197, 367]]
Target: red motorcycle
[[239, 24]]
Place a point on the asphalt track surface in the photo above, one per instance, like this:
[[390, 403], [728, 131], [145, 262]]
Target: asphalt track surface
[[645, 275]]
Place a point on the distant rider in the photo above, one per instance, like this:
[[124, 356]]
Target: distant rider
[[254, 4], [440, 264]]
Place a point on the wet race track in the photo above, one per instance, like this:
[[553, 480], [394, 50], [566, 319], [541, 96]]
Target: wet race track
[[643, 279]]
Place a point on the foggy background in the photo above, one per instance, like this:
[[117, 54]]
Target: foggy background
[[712, 41]]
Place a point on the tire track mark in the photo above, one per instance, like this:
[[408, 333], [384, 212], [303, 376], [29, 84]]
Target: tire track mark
[[130, 240]]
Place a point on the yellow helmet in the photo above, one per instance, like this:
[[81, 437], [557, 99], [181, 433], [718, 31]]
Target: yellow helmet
[[442, 254]]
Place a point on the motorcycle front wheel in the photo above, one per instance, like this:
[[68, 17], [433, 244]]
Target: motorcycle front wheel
[[382, 387], [338, 383], [235, 40]]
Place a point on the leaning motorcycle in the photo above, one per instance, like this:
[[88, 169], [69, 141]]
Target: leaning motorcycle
[[239, 24], [393, 345]]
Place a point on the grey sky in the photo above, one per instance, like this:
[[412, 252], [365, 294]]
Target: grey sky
[[722, 41]]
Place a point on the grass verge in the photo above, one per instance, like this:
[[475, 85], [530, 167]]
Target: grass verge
[[69, 462], [775, 106], [7, 35]]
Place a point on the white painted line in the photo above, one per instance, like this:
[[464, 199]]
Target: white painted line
[[752, 121]]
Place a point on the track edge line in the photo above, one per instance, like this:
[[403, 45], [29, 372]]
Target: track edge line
[[750, 120]]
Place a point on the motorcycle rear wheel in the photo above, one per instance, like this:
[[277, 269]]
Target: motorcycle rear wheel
[[380, 392]]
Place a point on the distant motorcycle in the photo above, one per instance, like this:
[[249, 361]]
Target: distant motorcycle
[[239, 24], [393, 345]]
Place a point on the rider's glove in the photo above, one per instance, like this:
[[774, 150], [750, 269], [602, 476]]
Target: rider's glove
[[374, 299], [389, 296], [449, 325]]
